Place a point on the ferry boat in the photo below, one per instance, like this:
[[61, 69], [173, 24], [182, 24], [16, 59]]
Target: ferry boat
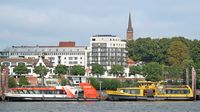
[[83, 92], [151, 91]]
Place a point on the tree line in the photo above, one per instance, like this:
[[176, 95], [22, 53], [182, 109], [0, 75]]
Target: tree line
[[164, 58]]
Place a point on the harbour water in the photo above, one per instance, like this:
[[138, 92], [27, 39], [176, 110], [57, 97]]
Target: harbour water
[[102, 106]]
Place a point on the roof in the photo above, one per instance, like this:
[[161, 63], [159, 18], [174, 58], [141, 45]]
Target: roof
[[29, 61], [104, 36]]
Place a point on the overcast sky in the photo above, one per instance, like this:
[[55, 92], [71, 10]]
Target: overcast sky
[[46, 22]]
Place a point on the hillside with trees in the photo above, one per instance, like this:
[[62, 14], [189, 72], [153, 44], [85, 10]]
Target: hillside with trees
[[164, 57]]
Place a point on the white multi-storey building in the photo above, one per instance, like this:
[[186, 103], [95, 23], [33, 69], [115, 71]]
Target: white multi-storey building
[[108, 50], [66, 53]]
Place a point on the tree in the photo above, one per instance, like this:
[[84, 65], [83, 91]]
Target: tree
[[145, 49], [20, 69], [178, 52], [175, 72], [12, 82], [195, 51], [97, 69], [197, 68], [23, 81], [42, 71], [2, 67], [117, 70], [136, 70], [153, 71], [78, 70], [61, 70]]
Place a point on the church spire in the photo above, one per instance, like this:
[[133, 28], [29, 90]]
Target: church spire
[[130, 29]]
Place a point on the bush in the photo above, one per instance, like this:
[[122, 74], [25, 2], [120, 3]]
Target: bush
[[64, 82], [129, 83], [114, 84], [23, 81], [94, 82], [12, 82], [110, 84]]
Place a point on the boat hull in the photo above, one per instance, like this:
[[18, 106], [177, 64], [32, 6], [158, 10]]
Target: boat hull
[[25, 97], [48, 99], [144, 98]]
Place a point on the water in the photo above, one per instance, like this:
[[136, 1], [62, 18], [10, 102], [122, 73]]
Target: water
[[102, 106]]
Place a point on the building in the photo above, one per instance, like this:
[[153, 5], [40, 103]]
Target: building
[[130, 32], [4, 54], [66, 53], [29, 62], [107, 50]]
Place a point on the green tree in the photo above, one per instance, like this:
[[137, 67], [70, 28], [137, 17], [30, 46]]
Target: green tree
[[12, 82], [42, 71], [175, 72], [153, 71], [20, 69], [61, 70], [197, 68], [136, 70], [117, 70], [145, 49], [97, 69], [23, 81], [178, 52], [195, 51], [2, 67], [77, 70]]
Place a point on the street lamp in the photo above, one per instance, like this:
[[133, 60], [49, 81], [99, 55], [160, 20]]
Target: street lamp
[[100, 88]]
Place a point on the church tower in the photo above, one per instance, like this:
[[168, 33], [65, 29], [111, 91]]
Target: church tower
[[129, 34]]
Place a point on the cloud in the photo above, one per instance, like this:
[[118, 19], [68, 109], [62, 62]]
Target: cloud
[[36, 21]]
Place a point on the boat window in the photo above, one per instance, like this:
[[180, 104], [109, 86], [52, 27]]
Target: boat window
[[131, 91], [31, 91], [177, 91], [135, 91], [37, 92], [62, 92], [21, 92], [16, 91]]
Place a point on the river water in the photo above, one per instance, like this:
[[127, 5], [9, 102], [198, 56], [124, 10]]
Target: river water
[[102, 106]]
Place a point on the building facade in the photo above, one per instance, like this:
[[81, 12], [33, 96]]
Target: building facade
[[66, 53], [30, 63], [107, 50]]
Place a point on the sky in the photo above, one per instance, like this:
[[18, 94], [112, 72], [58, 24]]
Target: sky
[[46, 22]]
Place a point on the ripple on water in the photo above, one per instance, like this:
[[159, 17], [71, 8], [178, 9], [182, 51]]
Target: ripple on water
[[102, 106]]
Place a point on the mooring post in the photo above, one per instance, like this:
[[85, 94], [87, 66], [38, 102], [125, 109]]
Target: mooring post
[[194, 83]]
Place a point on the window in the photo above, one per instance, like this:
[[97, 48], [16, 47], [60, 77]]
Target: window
[[177, 91]]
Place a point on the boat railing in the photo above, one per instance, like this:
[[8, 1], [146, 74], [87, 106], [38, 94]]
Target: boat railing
[[28, 86]]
